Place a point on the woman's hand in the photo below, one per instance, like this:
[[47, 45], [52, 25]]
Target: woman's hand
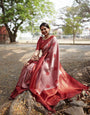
[[26, 64], [35, 56]]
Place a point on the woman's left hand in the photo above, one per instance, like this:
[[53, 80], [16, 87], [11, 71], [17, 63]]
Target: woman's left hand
[[26, 64], [35, 56]]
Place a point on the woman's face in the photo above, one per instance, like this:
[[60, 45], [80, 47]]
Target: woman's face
[[45, 30]]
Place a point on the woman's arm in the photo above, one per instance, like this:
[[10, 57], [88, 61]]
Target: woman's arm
[[35, 56]]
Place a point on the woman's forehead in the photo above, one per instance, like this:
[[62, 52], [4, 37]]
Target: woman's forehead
[[44, 27]]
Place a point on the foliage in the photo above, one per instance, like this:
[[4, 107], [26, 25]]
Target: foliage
[[72, 25], [15, 13], [84, 8], [72, 21]]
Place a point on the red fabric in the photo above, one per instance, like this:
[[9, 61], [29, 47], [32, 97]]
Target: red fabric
[[46, 78]]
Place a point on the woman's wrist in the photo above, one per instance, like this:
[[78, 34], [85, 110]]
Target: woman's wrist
[[36, 53]]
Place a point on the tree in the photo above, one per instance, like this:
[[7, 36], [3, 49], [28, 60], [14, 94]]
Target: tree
[[14, 13], [71, 21], [84, 8], [72, 26]]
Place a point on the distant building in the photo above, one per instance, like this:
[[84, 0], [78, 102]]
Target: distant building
[[3, 35]]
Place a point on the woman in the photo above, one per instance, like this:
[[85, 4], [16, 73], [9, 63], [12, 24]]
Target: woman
[[44, 76]]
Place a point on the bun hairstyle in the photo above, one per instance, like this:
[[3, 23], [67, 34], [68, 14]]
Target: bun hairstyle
[[44, 24]]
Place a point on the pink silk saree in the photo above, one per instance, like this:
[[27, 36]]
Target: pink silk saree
[[46, 78]]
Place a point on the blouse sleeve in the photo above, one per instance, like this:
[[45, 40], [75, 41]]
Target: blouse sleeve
[[38, 44]]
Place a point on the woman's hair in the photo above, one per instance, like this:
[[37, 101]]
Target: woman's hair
[[44, 24]]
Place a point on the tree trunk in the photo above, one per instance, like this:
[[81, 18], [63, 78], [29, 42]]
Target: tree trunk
[[73, 38], [12, 37]]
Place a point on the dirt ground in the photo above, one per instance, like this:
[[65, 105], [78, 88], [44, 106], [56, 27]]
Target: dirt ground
[[13, 57]]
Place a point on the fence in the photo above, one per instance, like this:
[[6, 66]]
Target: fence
[[63, 39]]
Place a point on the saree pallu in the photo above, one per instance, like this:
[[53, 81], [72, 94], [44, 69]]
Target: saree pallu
[[46, 78]]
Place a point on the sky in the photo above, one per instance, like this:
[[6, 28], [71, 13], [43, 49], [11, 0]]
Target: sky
[[62, 3]]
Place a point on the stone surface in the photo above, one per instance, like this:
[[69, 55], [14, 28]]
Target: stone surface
[[25, 104], [74, 111], [4, 109], [60, 105], [78, 103]]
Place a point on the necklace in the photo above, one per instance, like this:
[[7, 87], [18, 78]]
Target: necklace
[[44, 38]]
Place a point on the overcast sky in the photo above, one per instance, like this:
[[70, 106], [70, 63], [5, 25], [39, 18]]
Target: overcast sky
[[61, 3]]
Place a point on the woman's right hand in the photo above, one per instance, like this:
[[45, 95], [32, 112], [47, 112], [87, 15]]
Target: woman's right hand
[[26, 64]]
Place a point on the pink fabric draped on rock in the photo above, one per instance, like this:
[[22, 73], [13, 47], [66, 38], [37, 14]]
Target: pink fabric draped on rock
[[46, 78]]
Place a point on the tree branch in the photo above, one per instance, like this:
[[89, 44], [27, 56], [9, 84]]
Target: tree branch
[[3, 10], [78, 1], [16, 28]]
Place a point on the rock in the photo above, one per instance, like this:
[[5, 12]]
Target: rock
[[25, 104], [78, 103], [4, 109], [60, 105], [20, 105], [74, 111]]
